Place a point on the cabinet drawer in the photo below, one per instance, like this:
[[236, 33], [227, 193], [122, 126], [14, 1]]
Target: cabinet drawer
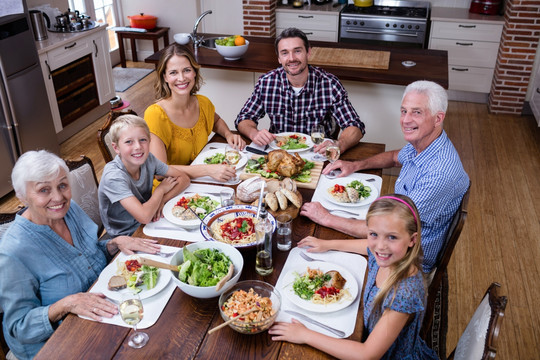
[[468, 53], [307, 21], [470, 78], [69, 52], [316, 35], [466, 31]]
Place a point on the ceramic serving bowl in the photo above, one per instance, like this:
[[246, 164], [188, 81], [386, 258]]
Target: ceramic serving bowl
[[264, 290], [182, 38], [232, 52], [210, 291]]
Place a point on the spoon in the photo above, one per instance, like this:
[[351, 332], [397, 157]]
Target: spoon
[[158, 264], [226, 278], [202, 222], [232, 319]]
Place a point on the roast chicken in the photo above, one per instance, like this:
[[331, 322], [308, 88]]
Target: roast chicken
[[284, 163]]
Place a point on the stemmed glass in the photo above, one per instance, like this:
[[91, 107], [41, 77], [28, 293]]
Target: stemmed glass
[[332, 154], [317, 136], [131, 311]]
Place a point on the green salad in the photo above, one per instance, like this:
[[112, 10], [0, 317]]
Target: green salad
[[291, 142], [363, 191], [146, 275], [217, 158], [203, 267], [305, 287], [202, 205], [257, 166]]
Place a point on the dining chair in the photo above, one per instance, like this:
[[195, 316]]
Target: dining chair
[[5, 221], [104, 139], [434, 326], [478, 341], [84, 188]]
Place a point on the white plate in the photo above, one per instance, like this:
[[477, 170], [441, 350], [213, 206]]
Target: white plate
[[188, 224], [163, 278], [351, 285], [199, 160], [344, 181], [309, 143]]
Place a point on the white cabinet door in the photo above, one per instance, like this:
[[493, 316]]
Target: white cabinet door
[[102, 67], [467, 31], [468, 53], [51, 93]]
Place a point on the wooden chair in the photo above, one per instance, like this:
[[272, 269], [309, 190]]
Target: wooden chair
[[5, 221], [480, 337], [104, 139], [84, 188], [438, 287]]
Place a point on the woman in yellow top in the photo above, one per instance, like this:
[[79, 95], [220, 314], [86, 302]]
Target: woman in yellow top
[[180, 121]]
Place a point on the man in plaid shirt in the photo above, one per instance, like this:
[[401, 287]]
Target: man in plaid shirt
[[297, 96]]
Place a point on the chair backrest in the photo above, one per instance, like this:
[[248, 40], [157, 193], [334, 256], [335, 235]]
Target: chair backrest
[[5, 221], [84, 188], [104, 139], [443, 258], [478, 341]]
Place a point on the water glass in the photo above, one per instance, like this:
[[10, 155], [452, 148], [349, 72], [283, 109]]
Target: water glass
[[332, 155], [284, 232], [227, 197], [317, 137]]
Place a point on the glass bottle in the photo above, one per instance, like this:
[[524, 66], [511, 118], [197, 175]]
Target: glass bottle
[[263, 230]]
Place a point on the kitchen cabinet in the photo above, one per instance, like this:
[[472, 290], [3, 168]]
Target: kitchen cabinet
[[317, 21], [472, 42]]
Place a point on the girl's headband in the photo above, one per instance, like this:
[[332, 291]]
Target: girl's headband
[[401, 201]]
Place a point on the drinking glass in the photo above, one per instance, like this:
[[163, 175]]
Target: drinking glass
[[332, 154], [131, 311], [317, 136], [227, 197], [284, 232]]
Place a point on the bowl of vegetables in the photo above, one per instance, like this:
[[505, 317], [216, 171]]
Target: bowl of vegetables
[[255, 304], [202, 265], [232, 47]]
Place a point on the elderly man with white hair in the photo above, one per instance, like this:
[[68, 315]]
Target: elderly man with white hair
[[431, 171]]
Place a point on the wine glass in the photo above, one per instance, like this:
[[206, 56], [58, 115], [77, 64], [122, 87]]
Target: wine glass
[[131, 311], [317, 136], [332, 154]]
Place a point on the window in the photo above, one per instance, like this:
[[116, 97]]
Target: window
[[101, 11]]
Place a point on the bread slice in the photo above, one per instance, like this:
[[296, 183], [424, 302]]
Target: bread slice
[[282, 199], [271, 201], [293, 197], [116, 283]]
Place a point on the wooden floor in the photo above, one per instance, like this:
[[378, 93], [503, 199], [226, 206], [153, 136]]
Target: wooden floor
[[500, 241]]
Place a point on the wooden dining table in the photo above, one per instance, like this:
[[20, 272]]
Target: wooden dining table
[[181, 330]]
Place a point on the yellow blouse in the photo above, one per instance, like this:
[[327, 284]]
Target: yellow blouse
[[182, 144]]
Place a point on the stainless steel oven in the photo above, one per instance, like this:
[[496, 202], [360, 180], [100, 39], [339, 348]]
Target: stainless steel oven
[[387, 22]]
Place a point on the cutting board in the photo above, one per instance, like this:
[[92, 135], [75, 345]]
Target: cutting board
[[315, 175], [369, 59]]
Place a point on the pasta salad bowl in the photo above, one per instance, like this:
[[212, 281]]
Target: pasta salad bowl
[[233, 225]]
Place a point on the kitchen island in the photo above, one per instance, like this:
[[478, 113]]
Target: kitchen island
[[375, 94]]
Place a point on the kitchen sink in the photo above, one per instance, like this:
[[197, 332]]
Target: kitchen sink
[[210, 43]]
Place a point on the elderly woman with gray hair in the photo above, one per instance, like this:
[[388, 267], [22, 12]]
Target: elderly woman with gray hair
[[50, 256]]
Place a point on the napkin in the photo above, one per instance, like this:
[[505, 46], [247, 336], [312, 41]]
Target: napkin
[[360, 211], [344, 319], [153, 306]]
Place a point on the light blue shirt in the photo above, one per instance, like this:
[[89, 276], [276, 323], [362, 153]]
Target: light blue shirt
[[38, 269], [436, 181]]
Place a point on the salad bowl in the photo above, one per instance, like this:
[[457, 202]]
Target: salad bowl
[[207, 292]]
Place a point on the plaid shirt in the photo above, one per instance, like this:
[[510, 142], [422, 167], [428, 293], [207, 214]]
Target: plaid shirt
[[322, 93]]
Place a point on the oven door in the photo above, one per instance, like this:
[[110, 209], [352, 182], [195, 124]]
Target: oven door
[[398, 38]]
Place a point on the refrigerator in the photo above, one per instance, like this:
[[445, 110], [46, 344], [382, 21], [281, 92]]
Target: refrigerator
[[25, 116]]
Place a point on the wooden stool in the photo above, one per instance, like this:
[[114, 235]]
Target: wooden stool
[[153, 35]]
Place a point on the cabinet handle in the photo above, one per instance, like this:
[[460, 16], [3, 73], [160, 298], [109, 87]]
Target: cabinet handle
[[306, 16], [70, 46], [464, 44], [95, 46], [467, 26], [457, 69], [49, 68]]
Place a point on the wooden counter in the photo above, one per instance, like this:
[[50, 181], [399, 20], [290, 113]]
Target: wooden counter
[[261, 57]]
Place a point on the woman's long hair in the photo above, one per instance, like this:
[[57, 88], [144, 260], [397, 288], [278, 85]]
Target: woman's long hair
[[385, 205]]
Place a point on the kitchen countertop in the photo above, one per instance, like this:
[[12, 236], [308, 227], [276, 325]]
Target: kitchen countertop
[[313, 8], [463, 15], [261, 57], [57, 39]]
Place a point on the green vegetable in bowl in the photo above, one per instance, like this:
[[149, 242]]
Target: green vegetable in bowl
[[363, 191], [217, 158], [203, 267], [305, 286]]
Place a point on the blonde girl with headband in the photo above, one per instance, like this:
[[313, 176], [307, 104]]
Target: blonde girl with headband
[[394, 294]]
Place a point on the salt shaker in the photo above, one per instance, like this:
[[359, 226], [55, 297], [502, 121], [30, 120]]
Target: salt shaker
[[263, 231]]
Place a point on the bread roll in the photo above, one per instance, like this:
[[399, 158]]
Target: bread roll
[[282, 199], [249, 190], [288, 184], [271, 201], [272, 185], [292, 196]]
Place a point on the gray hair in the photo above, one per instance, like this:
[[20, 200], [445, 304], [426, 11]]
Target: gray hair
[[34, 166], [437, 96]]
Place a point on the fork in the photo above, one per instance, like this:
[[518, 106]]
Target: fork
[[308, 258]]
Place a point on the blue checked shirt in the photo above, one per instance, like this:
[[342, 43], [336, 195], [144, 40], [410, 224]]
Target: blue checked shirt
[[436, 181], [322, 93]]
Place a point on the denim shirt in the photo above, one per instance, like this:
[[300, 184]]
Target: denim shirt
[[38, 269]]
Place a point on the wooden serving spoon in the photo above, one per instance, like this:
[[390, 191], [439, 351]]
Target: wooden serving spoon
[[232, 319], [226, 278], [158, 264]]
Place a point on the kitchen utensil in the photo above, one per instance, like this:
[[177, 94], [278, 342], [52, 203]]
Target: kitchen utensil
[[363, 3], [210, 231], [297, 4], [38, 19], [256, 151], [261, 195], [315, 322], [308, 258], [226, 278], [232, 319], [142, 21], [158, 264]]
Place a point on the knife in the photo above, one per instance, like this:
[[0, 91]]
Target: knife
[[315, 322], [257, 151]]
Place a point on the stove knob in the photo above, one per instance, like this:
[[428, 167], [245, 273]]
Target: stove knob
[[355, 23], [387, 25], [348, 22], [417, 27], [402, 26], [395, 25], [361, 23], [409, 27]]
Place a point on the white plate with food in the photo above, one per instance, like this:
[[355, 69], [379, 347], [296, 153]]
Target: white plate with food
[[320, 299], [176, 211], [120, 268], [219, 156], [292, 142], [350, 192]]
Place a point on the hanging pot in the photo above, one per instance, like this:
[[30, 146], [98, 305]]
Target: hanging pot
[[143, 21]]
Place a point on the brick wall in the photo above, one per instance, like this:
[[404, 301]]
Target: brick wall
[[515, 60], [259, 17]]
